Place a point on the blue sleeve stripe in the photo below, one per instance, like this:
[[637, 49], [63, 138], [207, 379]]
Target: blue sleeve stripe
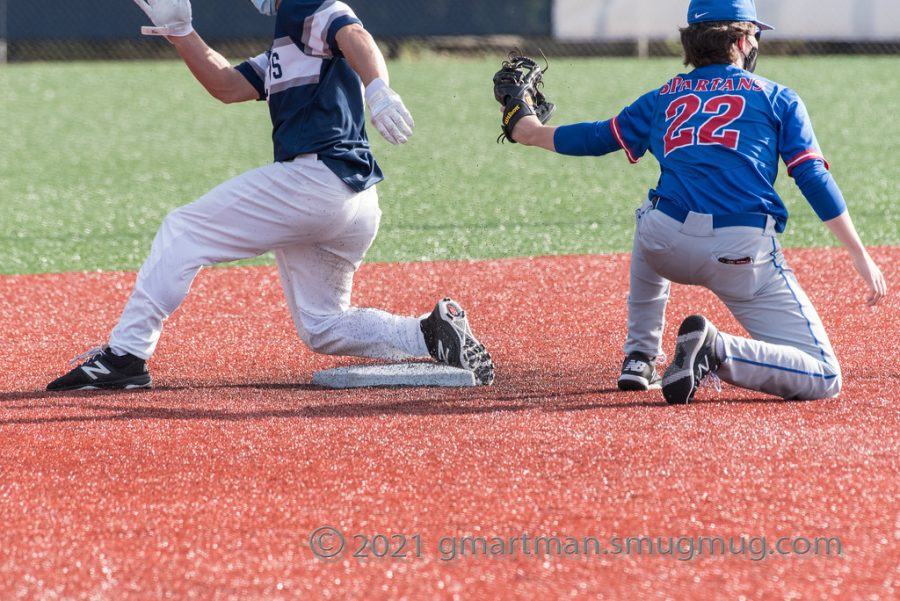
[[614, 123]]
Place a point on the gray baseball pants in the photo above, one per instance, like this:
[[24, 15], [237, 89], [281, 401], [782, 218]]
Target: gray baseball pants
[[788, 354]]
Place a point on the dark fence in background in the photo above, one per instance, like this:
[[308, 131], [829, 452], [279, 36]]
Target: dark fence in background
[[85, 29], [110, 29]]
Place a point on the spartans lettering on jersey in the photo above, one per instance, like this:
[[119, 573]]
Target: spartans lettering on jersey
[[717, 84]]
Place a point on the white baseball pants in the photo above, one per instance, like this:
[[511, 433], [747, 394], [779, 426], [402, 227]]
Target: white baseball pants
[[789, 354], [319, 230]]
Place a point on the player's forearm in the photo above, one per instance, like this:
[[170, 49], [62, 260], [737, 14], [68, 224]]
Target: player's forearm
[[362, 53], [843, 229], [530, 132], [213, 70]]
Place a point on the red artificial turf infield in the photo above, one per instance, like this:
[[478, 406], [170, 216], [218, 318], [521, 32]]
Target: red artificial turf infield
[[210, 485]]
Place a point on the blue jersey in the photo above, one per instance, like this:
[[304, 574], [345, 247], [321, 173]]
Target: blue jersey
[[718, 133], [315, 98]]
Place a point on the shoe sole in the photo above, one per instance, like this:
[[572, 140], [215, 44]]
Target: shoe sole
[[472, 354], [678, 383], [117, 385], [476, 359], [484, 368], [630, 383]]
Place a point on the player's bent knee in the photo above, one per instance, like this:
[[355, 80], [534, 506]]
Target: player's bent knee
[[834, 387], [826, 387], [833, 380]]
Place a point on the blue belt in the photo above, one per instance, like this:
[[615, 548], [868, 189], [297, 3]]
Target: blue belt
[[726, 220]]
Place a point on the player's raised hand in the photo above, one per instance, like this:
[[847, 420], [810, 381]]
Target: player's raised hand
[[170, 17], [389, 115]]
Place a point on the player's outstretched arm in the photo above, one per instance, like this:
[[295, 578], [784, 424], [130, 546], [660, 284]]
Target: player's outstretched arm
[[362, 53], [843, 229], [824, 196], [213, 70], [173, 19], [389, 115], [531, 132]]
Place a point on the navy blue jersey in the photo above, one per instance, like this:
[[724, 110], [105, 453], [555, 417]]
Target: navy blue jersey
[[718, 133], [315, 98]]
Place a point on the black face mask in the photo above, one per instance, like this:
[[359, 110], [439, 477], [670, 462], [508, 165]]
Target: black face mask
[[750, 60]]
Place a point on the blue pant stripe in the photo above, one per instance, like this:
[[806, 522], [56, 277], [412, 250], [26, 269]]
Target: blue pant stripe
[[796, 371], [787, 282]]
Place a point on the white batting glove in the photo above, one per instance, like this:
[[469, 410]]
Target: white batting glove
[[170, 17], [389, 115]]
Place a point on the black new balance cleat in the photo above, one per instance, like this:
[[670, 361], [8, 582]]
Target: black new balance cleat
[[639, 373], [103, 369], [449, 340], [695, 358]]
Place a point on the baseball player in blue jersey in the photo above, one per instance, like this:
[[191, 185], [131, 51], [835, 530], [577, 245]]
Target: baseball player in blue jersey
[[316, 206], [713, 218]]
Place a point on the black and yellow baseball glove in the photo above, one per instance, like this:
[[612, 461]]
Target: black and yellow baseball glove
[[517, 88]]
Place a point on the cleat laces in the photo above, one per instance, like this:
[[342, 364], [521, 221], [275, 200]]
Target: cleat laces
[[711, 380], [88, 355]]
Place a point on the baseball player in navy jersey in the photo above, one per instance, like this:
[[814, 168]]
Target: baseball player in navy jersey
[[316, 206], [713, 218]]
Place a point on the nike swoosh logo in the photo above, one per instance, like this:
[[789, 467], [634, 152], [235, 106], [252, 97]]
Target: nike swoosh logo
[[700, 15]]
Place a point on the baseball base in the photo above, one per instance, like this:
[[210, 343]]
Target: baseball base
[[394, 374]]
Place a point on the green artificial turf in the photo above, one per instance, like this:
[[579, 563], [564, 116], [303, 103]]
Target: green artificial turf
[[95, 154]]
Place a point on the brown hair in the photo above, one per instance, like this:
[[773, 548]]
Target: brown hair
[[713, 42]]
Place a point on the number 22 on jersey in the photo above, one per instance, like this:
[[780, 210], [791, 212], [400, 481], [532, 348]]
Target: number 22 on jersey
[[722, 110]]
